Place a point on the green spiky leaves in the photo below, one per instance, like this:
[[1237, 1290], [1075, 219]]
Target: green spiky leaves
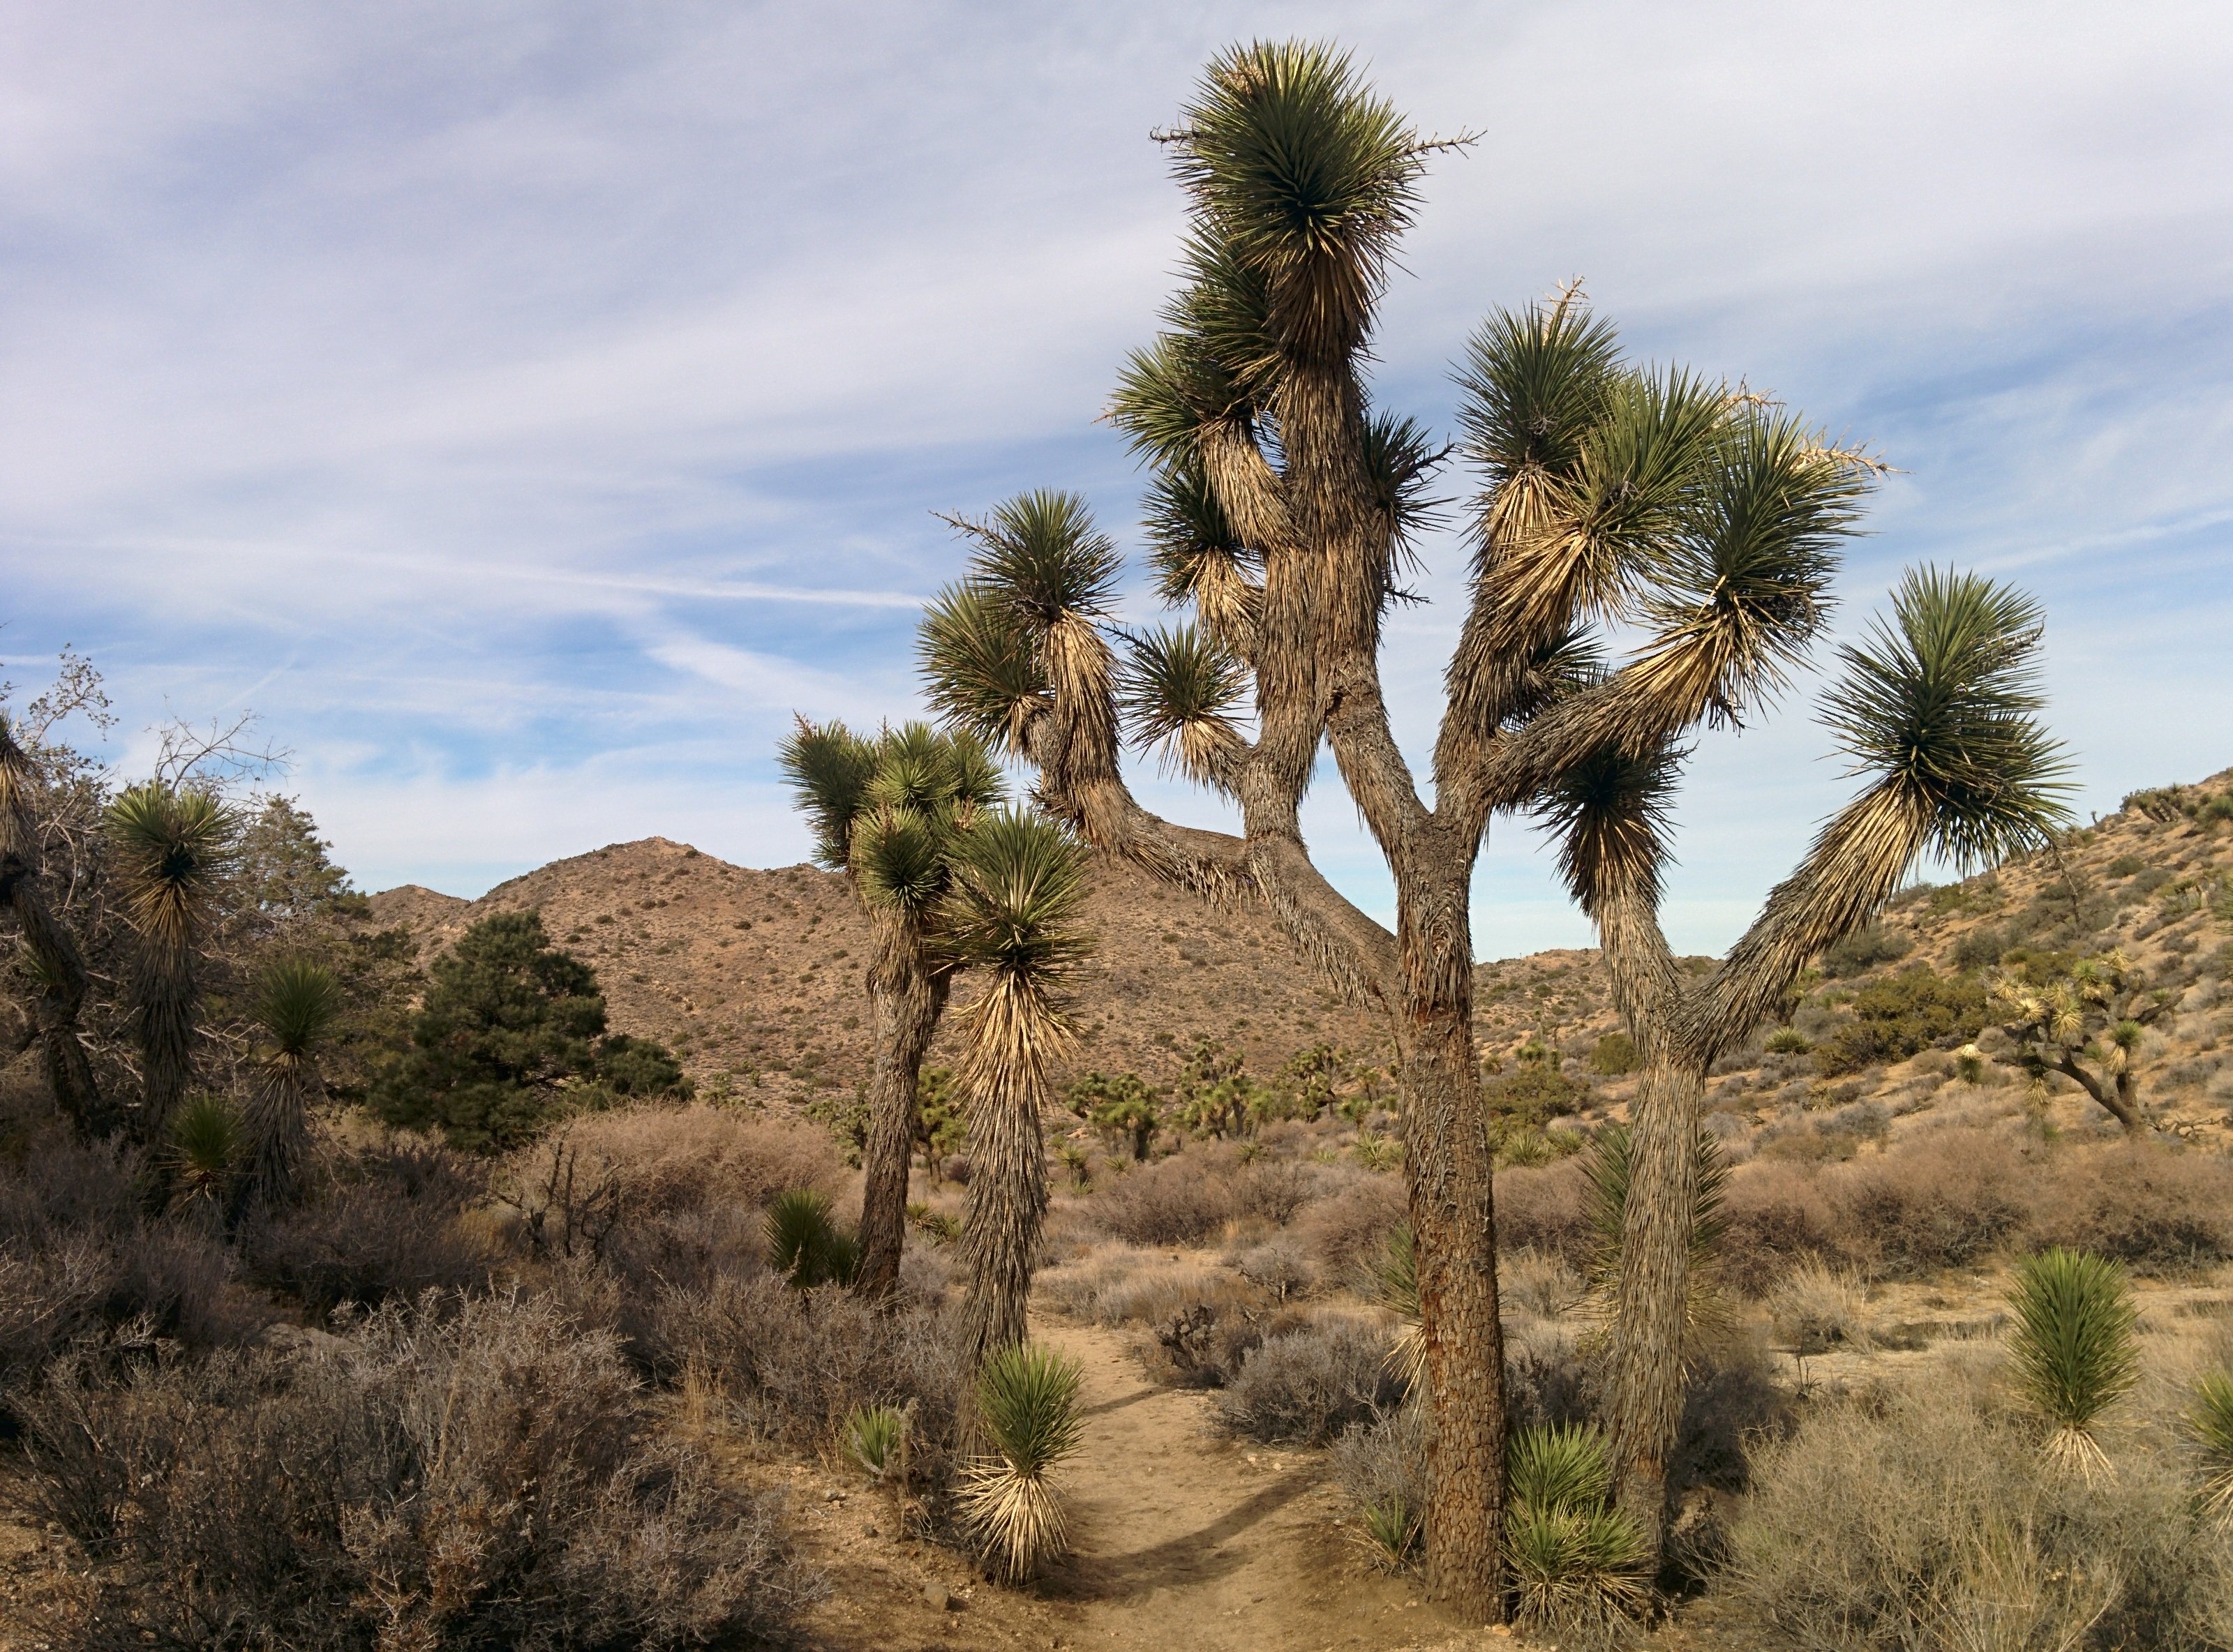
[[804, 1244], [1943, 702], [1021, 880], [1027, 1398], [1179, 691], [2210, 1428], [1577, 1563], [890, 809], [2074, 1348], [1042, 557], [1608, 815], [981, 672], [171, 848], [296, 1002], [1306, 180]]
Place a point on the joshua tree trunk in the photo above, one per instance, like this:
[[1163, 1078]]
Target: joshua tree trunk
[[164, 1026], [1005, 1075], [1448, 1167], [278, 1127], [907, 997], [2116, 1096], [1652, 1304], [61, 972]]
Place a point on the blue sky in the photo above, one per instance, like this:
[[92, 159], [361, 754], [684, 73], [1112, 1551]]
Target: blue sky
[[524, 408]]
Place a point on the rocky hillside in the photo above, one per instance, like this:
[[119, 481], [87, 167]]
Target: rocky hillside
[[755, 976]]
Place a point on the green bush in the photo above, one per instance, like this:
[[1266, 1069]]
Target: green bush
[[1896, 1018], [1788, 1041], [511, 1037], [1862, 951], [1615, 1055]]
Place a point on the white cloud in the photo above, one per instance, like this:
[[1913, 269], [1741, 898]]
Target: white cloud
[[526, 407]]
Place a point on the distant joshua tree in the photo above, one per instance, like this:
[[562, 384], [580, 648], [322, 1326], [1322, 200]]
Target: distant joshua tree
[[2086, 1020], [1700, 519], [295, 1003], [890, 812]]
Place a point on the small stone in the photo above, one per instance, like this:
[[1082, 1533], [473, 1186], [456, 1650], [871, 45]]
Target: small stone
[[837, 1496], [940, 1598]]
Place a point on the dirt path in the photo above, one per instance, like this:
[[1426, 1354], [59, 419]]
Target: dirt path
[[1183, 1540], [1186, 1539]]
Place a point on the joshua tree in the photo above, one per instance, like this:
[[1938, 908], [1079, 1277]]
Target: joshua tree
[[51, 954], [295, 1003], [1019, 880], [2065, 1015], [1282, 507], [168, 849], [889, 813]]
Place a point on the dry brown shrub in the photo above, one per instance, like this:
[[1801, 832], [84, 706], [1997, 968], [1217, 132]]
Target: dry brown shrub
[[1192, 1195], [672, 1159], [1348, 1231], [2160, 1210], [1944, 1200], [469, 1474], [1309, 1383], [1775, 1218], [1546, 1208]]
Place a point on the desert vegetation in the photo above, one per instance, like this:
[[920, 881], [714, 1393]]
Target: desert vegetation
[[386, 1271]]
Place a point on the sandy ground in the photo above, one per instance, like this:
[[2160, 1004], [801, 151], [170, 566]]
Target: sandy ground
[[1183, 1540]]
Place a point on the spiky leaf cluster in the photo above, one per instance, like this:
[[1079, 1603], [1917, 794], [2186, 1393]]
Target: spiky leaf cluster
[[2074, 1347], [296, 1002], [1577, 1562], [891, 810], [1019, 881], [169, 848], [1943, 702]]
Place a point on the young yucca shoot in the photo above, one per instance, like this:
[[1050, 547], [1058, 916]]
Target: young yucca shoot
[[874, 1436], [2075, 1348], [1027, 1399], [206, 1147], [2209, 1422], [803, 1244], [1577, 1563], [1396, 1282], [1392, 1528]]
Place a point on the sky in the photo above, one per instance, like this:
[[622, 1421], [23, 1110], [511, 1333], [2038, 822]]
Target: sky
[[524, 410]]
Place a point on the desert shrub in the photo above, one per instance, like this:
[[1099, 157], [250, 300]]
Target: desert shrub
[[2157, 1209], [1545, 1207], [1788, 1041], [1187, 1197], [1862, 951], [1942, 1200], [674, 1159], [1381, 1465], [1893, 1020], [1614, 1055], [1309, 1383], [1204, 1346], [1577, 1562], [1924, 1519], [1533, 1093], [480, 1476], [1279, 1267], [1346, 1231], [1774, 1217], [1981, 948], [793, 1364], [79, 1256], [389, 1226]]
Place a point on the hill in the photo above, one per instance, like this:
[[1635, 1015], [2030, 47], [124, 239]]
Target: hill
[[754, 976]]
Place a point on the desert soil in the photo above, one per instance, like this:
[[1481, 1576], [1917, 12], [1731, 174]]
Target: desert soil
[[1183, 1540]]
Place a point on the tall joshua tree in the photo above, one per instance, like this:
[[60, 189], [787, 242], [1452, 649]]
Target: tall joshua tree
[[890, 813], [49, 951], [295, 1003], [1012, 915], [1728, 559], [1283, 506], [168, 848]]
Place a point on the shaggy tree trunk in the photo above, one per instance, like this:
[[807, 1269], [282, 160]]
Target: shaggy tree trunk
[[1449, 1171], [1652, 1304], [164, 1025], [1004, 1075], [61, 982], [905, 998], [2116, 1099]]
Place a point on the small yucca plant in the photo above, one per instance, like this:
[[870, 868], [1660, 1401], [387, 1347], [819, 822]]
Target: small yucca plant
[[1392, 1529], [2074, 1348], [1396, 1283], [206, 1148], [2210, 1424], [1027, 1400], [803, 1244], [876, 1437], [1577, 1562]]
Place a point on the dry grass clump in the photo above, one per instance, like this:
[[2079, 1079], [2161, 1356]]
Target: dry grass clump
[[1546, 1208], [1382, 1465], [1347, 1230], [1928, 1519], [475, 1475], [1945, 1199], [1308, 1384], [1817, 1308]]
